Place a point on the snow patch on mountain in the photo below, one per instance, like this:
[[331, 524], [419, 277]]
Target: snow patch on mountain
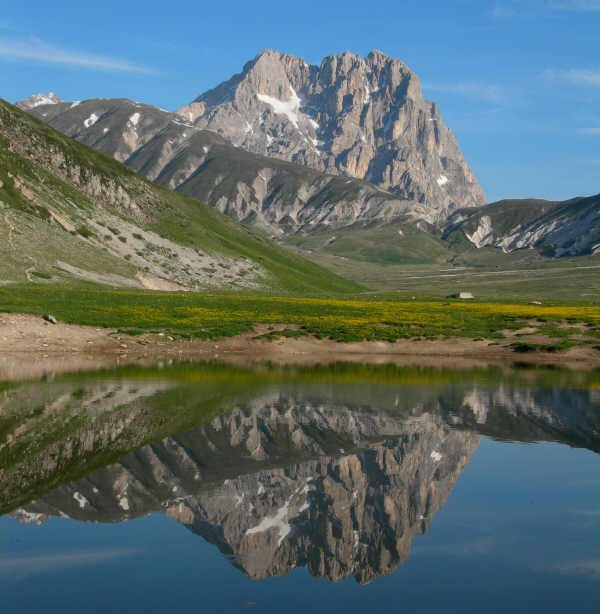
[[81, 500], [289, 108], [91, 120], [278, 521], [135, 119]]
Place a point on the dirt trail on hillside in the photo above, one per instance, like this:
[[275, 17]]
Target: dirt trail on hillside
[[30, 347]]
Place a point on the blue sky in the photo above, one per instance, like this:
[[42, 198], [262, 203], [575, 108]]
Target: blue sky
[[517, 81]]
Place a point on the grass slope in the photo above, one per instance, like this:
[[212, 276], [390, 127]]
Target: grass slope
[[394, 243], [57, 196]]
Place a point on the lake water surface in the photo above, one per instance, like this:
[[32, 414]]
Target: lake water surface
[[211, 488]]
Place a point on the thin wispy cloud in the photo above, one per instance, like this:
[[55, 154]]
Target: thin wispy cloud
[[477, 91], [503, 12], [36, 50], [577, 76], [584, 567], [536, 8], [24, 566], [594, 511], [575, 5]]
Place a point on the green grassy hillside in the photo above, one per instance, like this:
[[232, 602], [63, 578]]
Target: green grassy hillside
[[393, 243], [72, 213]]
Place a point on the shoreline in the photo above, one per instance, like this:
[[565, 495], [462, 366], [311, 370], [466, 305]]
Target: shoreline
[[31, 348]]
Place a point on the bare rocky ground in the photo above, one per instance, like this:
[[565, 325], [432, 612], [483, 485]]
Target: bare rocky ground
[[30, 347]]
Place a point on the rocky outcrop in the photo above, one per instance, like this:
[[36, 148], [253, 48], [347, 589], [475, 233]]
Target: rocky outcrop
[[569, 228], [274, 196], [126, 195], [38, 100], [359, 117]]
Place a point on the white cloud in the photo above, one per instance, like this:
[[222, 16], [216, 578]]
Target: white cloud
[[578, 76], [480, 91], [36, 50]]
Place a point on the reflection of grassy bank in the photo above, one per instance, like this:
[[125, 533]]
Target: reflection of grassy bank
[[60, 431], [52, 432], [212, 316], [356, 373]]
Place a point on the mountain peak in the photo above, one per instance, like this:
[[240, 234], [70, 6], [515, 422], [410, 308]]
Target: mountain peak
[[361, 117], [377, 54], [37, 100], [266, 53]]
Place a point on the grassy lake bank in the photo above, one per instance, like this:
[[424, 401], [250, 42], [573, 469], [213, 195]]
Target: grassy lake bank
[[138, 325]]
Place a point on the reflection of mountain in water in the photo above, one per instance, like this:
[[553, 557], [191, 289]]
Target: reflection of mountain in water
[[337, 478], [531, 414], [338, 512]]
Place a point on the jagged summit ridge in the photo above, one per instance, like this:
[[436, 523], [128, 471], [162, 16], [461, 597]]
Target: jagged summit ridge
[[360, 117]]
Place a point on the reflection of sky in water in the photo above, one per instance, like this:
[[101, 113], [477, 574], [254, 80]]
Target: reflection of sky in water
[[520, 532]]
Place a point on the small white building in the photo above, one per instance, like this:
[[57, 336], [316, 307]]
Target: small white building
[[463, 295]]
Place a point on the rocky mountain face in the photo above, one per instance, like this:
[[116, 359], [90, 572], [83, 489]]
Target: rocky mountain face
[[568, 228], [359, 117], [275, 196], [364, 144]]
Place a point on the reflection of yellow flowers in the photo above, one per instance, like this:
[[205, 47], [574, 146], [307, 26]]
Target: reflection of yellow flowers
[[355, 373]]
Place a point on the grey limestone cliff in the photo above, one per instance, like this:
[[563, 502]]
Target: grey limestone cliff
[[359, 117]]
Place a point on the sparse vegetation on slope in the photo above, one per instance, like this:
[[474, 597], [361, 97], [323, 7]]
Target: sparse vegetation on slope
[[70, 211]]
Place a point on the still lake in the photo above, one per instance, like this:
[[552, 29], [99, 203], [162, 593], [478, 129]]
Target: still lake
[[343, 488]]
